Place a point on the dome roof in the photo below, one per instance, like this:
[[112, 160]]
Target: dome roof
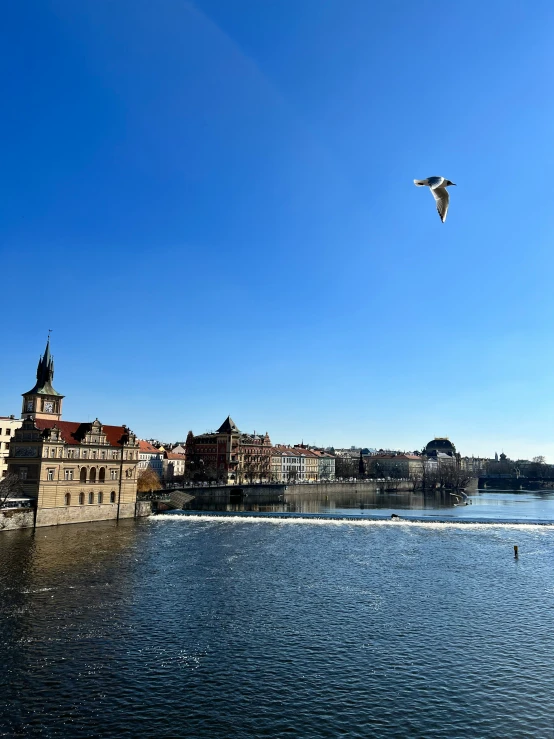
[[440, 444]]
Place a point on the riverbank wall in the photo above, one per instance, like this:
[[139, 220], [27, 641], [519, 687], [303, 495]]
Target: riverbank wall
[[28, 518]]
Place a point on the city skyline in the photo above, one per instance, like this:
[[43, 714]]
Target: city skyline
[[170, 421], [213, 208]]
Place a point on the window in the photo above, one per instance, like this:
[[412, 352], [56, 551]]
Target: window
[[68, 499], [92, 474], [81, 498], [112, 496], [68, 474], [23, 473], [113, 474], [91, 498], [83, 475], [114, 455], [50, 474], [102, 474], [100, 497], [8, 432]]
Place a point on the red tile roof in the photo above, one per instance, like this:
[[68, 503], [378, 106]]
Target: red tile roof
[[146, 446], [74, 432], [174, 455]]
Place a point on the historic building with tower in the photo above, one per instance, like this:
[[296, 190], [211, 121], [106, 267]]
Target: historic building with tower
[[229, 455], [73, 471]]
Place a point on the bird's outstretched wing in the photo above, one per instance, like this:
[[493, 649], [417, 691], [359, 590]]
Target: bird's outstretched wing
[[442, 199], [435, 182]]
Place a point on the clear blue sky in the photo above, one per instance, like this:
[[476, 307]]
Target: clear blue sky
[[211, 204]]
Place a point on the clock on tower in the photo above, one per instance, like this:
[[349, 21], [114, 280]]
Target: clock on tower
[[43, 401]]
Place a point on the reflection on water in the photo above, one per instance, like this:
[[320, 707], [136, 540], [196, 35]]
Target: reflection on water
[[484, 505], [178, 626]]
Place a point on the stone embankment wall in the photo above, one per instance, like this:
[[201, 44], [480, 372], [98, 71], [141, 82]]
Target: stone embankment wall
[[315, 487], [21, 518], [17, 518]]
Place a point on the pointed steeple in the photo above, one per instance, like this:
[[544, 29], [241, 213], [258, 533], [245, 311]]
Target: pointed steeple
[[45, 374], [228, 426], [43, 401]]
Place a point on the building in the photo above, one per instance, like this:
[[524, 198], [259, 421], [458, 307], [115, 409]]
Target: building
[[441, 451], [173, 466], [8, 424], [288, 464], [326, 465], [398, 466], [228, 455], [73, 471], [150, 458]]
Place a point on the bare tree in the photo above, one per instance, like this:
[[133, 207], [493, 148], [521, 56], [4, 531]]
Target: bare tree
[[292, 474], [10, 486]]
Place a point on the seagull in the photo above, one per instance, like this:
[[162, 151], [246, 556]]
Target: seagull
[[438, 187]]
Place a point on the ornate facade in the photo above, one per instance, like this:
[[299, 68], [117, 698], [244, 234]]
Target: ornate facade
[[75, 472]]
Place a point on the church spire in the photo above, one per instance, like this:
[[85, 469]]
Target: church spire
[[43, 401], [45, 368]]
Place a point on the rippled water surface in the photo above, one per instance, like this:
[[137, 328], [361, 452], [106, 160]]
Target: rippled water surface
[[196, 627]]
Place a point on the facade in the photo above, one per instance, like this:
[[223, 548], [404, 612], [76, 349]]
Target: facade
[[399, 466], [173, 466], [150, 458], [73, 471], [441, 449], [326, 465], [228, 455], [8, 425]]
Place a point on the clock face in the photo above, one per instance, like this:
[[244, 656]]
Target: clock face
[[49, 407]]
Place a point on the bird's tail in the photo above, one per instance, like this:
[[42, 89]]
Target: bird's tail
[[420, 183]]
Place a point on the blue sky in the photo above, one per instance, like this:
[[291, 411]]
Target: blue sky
[[211, 204]]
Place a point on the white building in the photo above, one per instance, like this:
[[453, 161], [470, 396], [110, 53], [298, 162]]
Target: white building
[[150, 457], [8, 425], [326, 465], [173, 465]]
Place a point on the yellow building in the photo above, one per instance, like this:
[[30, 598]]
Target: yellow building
[[75, 472]]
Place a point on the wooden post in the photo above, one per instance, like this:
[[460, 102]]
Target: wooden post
[[515, 551]]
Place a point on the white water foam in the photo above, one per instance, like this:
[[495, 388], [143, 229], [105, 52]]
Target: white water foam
[[438, 525]]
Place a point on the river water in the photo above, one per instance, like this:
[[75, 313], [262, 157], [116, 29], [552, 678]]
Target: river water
[[183, 626]]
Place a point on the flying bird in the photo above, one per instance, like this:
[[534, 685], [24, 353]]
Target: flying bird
[[438, 186]]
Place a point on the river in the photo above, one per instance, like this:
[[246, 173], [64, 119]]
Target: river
[[181, 626]]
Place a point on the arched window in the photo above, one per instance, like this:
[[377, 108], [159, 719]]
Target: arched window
[[68, 498], [92, 474], [100, 497], [81, 498], [91, 497], [112, 496], [102, 474], [83, 475]]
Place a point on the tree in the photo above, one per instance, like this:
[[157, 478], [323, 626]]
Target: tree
[[10, 486], [538, 467], [292, 474], [148, 481]]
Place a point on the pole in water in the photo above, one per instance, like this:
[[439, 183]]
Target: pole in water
[[515, 551]]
